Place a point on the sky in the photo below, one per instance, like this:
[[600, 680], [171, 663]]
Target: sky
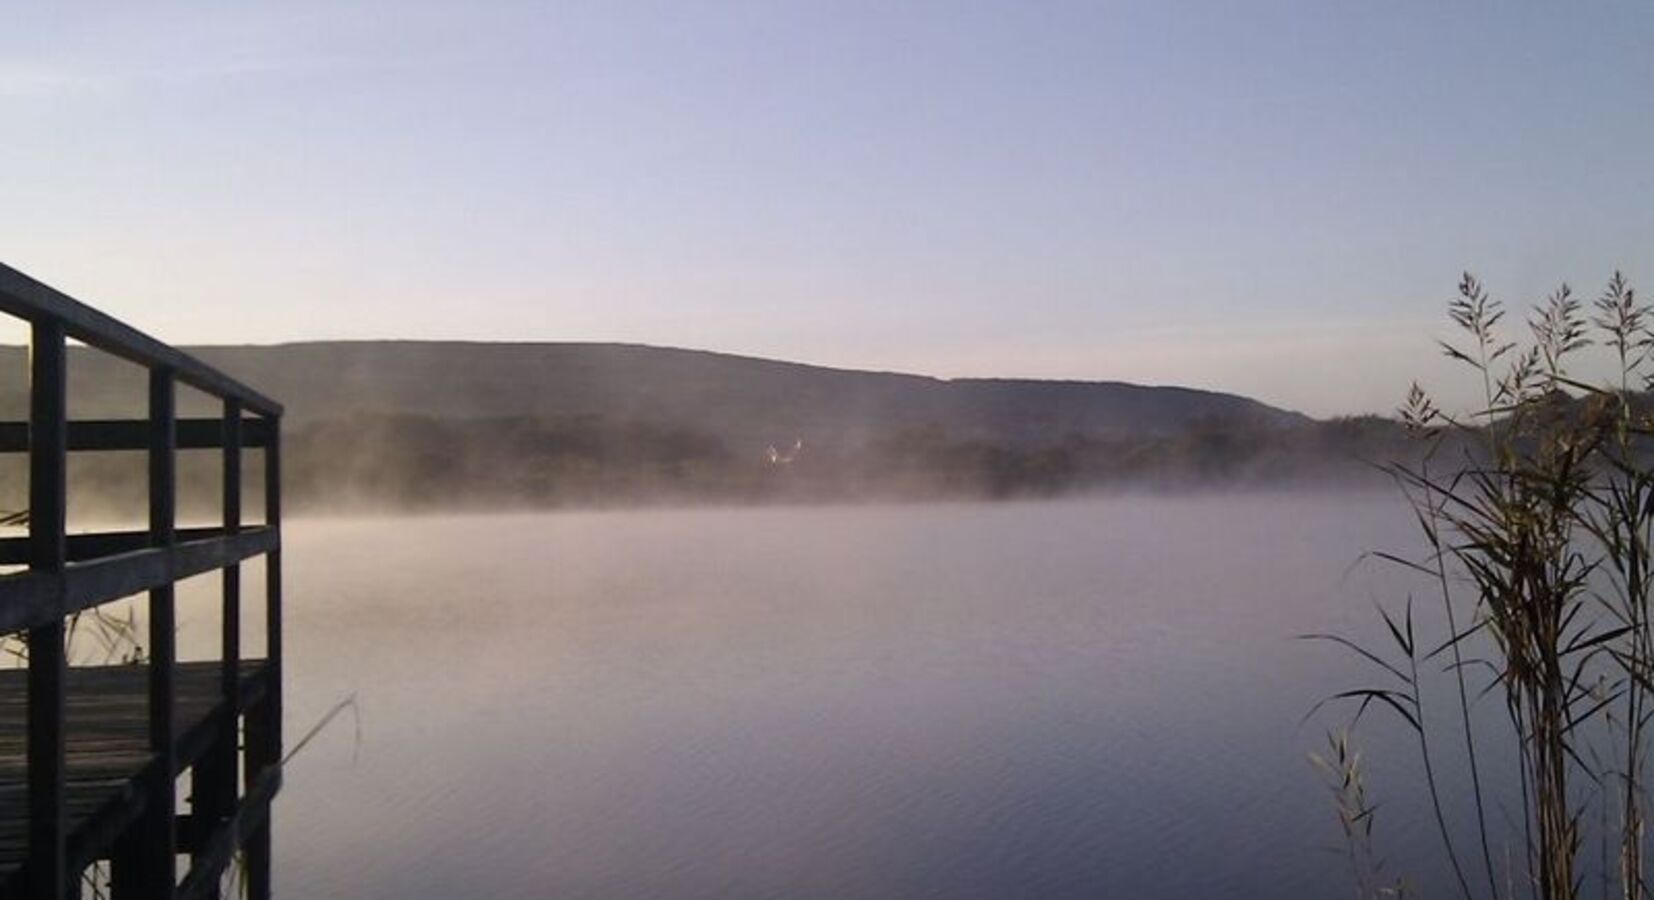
[[1275, 199]]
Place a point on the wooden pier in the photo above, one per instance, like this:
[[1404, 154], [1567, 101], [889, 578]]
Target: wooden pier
[[91, 757]]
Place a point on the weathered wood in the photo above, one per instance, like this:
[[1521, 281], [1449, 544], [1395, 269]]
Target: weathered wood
[[110, 771], [161, 846], [48, 659], [90, 757], [26, 298], [231, 632], [133, 434], [84, 547], [272, 572], [252, 818], [215, 776], [31, 598], [126, 864], [264, 728]]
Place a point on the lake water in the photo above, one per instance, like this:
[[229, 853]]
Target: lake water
[[1095, 698]]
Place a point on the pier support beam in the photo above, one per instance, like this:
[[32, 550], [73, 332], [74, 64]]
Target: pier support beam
[[48, 657], [160, 809]]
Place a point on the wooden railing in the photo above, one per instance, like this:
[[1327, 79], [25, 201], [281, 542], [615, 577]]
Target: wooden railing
[[67, 574]]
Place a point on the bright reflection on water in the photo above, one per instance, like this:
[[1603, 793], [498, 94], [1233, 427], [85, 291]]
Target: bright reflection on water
[[1078, 699]]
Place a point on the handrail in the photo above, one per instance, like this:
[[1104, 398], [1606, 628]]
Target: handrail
[[89, 546], [34, 599], [133, 434], [28, 299]]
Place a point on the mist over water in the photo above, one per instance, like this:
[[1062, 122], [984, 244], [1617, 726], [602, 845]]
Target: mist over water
[[1062, 699]]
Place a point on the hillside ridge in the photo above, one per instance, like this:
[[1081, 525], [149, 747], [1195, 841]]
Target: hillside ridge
[[736, 398]]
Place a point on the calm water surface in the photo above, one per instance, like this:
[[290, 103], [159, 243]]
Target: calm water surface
[[1075, 699]]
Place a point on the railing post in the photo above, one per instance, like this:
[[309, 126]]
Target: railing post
[[272, 519], [48, 657], [214, 782], [264, 729], [160, 812], [232, 573]]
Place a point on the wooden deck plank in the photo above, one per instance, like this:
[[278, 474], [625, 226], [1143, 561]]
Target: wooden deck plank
[[107, 749]]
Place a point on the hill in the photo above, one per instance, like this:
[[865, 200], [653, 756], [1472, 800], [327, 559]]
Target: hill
[[447, 423], [742, 400]]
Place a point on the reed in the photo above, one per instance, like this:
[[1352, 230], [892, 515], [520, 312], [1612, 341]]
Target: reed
[[1536, 510], [1345, 779]]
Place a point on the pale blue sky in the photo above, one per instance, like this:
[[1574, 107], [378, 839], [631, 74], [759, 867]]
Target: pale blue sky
[[1270, 198]]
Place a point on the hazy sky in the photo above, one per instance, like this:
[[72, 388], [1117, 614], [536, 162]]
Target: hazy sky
[[1274, 199]]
